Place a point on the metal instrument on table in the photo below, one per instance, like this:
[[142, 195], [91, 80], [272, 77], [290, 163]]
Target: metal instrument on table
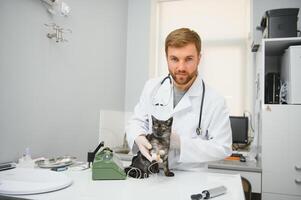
[[208, 194], [56, 162]]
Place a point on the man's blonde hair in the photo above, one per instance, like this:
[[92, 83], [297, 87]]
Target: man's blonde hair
[[182, 37]]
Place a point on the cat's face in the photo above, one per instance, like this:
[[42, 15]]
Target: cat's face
[[162, 128]]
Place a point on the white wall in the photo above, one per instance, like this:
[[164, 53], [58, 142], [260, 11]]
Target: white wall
[[138, 50], [224, 47], [51, 94]]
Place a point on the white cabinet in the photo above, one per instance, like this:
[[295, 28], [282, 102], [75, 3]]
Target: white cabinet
[[278, 129], [281, 149], [272, 196]]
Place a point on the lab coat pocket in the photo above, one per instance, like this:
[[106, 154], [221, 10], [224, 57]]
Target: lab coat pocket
[[186, 124]]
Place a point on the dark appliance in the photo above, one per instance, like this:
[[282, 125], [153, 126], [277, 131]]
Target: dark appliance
[[279, 23], [272, 88]]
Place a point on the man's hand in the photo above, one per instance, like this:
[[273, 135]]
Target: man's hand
[[175, 142], [144, 146]]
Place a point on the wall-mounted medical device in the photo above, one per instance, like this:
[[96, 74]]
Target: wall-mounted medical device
[[57, 7], [57, 32]]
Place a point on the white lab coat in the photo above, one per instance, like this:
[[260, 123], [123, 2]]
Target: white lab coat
[[195, 150]]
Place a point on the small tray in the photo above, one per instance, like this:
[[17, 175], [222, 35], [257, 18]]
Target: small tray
[[61, 161]]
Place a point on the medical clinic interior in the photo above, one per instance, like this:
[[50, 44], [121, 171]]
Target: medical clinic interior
[[150, 99]]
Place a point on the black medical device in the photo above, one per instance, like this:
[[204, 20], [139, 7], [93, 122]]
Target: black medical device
[[239, 126], [208, 194], [6, 166], [91, 155], [272, 88], [198, 129], [278, 23]]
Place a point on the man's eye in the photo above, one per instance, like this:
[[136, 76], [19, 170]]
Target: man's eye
[[189, 59], [174, 59]]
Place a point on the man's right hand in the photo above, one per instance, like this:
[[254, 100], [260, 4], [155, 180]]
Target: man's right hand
[[144, 146]]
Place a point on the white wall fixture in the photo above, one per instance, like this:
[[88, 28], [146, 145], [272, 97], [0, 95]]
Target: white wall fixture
[[56, 32], [57, 7]]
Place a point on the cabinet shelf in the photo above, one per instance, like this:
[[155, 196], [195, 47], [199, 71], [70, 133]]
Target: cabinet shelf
[[276, 46], [268, 67]]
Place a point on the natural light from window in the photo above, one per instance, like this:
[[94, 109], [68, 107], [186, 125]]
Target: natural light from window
[[224, 27]]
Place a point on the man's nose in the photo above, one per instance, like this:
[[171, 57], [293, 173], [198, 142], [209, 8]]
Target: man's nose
[[181, 65]]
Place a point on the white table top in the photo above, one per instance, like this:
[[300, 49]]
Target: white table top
[[31, 181], [181, 186]]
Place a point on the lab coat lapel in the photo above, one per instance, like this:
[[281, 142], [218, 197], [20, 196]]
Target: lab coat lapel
[[183, 104], [194, 90]]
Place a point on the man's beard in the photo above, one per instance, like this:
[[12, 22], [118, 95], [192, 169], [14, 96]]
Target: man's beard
[[183, 80]]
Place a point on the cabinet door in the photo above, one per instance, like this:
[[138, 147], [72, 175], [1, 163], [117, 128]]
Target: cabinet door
[[281, 142], [270, 196], [294, 148]]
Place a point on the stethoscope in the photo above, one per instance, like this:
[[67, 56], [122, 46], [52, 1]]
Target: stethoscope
[[198, 129]]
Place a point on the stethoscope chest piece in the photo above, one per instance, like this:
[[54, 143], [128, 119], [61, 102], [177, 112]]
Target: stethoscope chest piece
[[198, 131]]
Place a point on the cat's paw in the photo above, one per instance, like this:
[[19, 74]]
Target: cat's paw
[[161, 152], [169, 174]]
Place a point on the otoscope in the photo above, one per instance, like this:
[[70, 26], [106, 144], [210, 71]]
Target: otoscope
[[208, 194]]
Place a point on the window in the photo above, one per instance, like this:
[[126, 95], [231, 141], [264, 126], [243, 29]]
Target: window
[[224, 27]]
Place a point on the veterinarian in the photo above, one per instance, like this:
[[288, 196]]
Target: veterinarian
[[201, 129]]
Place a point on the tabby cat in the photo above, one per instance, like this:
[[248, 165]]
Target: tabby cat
[[141, 167]]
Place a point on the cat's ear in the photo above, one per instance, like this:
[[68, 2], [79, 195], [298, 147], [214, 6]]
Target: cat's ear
[[169, 121], [154, 119]]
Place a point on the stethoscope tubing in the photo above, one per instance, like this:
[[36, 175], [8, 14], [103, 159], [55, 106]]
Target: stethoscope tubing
[[201, 109], [198, 129]]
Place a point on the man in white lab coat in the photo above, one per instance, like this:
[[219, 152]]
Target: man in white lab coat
[[181, 97]]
